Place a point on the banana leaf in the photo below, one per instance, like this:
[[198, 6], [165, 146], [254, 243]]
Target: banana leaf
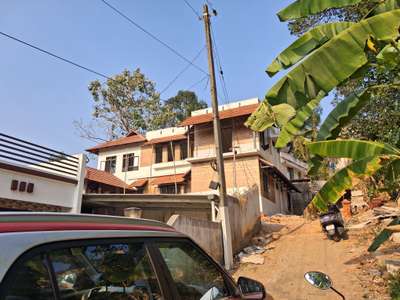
[[295, 125], [354, 149], [331, 64], [392, 173], [341, 115], [346, 178], [304, 45], [384, 6], [268, 115], [383, 236], [303, 8], [314, 164], [389, 56]]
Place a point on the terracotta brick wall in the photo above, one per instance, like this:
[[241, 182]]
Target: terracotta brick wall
[[146, 156], [247, 174]]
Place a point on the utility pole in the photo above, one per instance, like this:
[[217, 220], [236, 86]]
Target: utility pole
[[223, 208]]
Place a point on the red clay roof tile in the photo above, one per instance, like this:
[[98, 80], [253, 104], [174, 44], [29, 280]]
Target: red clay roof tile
[[223, 114], [105, 178], [167, 139], [131, 138]]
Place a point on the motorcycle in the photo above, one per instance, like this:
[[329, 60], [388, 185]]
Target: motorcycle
[[332, 223]]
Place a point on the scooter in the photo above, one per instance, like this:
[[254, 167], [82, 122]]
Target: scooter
[[332, 223]]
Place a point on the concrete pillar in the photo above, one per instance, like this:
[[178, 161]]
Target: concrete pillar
[[78, 193]]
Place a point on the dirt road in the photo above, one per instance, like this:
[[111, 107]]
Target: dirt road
[[303, 247]]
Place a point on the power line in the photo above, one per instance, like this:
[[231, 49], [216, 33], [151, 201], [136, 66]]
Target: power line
[[192, 8], [182, 71], [130, 20], [70, 61], [219, 64], [198, 82], [55, 56]]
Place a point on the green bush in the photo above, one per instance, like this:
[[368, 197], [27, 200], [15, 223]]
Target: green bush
[[394, 286]]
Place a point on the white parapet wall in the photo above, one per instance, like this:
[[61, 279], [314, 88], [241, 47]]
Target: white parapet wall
[[24, 187]]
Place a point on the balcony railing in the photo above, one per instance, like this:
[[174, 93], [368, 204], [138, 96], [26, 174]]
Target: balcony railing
[[23, 152]]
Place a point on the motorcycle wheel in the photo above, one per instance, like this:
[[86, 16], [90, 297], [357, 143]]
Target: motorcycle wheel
[[336, 237]]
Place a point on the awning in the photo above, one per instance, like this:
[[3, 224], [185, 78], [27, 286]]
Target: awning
[[169, 179], [167, 139], [138, 183], [271, 168]]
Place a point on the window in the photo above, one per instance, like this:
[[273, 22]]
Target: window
[[111, 162], [195, 276], [159, 153], [291, 173], [130, 162], [168, 189], [264, 140], [265, 183], [171, 151], [113, 271], [183, 146], [29, 280], [226, 139]]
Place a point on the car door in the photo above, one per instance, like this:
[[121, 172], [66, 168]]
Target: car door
[[193, 273], [86, 270]]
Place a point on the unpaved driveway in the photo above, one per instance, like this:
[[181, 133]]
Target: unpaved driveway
[[303, 247]]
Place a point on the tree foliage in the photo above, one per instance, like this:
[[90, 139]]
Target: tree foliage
[[129, 101], [179, 107]]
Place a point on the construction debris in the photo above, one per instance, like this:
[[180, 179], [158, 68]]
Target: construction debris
[[374, 216]]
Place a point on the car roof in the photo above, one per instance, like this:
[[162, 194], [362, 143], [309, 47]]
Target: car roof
[[39, 221]]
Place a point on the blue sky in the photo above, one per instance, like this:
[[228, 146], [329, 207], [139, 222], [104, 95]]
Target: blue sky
[[41, 97]]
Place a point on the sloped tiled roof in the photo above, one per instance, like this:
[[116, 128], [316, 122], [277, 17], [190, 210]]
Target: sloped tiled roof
[[105, 178], [169, 179], [224, 114], [167, 139], [131, 138], [138, 183]]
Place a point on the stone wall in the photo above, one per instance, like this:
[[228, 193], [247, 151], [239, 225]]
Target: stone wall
[[244, 217], [205, 233]]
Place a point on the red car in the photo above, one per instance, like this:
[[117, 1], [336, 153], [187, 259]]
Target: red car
[[46, 256]]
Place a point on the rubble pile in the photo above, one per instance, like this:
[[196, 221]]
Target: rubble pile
[[272, 228]]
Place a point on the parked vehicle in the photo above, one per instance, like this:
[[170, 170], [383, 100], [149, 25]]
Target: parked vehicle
[[50, 256], [332, 223]]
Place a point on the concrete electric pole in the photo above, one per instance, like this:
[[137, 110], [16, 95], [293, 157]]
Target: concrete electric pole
[[223, 208]]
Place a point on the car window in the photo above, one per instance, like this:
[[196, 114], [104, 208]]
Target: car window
[[195, 276], [113, 271], [29, 281]]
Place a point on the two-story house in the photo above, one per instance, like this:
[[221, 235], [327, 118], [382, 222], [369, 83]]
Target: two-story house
[[154, 163], [250, 158], [182, 159]]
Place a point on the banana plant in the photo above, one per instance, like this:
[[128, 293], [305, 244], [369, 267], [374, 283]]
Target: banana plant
[[367, 158], [342, 46]]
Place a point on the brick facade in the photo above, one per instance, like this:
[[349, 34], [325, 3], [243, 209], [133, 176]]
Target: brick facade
[[247, 173]]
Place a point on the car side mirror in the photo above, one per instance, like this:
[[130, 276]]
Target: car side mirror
[[251, 289], [321, 281]]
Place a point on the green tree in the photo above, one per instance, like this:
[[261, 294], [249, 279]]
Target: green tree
[[179, 107], [126, 102]]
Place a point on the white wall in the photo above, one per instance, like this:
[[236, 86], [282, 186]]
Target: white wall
[[46, 191], [119, 153]]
